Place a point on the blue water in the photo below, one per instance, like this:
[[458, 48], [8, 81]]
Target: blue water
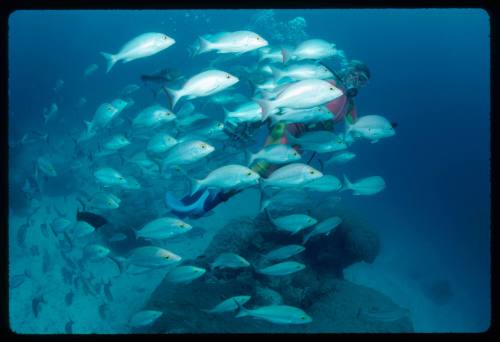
[[429, 73]]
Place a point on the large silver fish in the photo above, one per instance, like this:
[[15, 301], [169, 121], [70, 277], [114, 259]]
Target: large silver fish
[[371, 127], [310, 49], [203, 84], [227, 177], [365, 186], [231, 42], [291, 175], [144, 45], [163, 228], [186, 152], [300, 95], [276, 154]]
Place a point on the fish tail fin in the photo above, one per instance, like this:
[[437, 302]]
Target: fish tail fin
[[290, 139], [111, 59], [269, 215], [120, 263], [267, 107], [242, 312], [249, 157], [306, 238], [205, 46], [286, 55], [264, 203], [277, 74], [68, 239], [348, 127], [348, 139], [195, 183], [173, 96], [137, 234], [226, 114], [347, 183]]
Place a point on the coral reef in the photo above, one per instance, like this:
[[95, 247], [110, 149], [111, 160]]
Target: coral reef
[[319, 289]]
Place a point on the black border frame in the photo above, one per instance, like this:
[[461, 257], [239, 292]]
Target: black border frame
[[9, 6]]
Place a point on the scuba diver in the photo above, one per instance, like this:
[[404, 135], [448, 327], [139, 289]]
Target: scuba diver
[[349, 79]]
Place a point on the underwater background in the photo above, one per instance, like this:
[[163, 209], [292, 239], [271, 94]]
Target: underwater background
[[429, 73]]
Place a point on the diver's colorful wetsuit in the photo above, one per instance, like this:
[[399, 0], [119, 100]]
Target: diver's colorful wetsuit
[[205, 200]]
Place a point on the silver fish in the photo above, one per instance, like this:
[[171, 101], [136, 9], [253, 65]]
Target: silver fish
[[366, 186], [231, 42], [144, 45], [327, 183], [203, 84], [184, 274], [293, 223], [276, 154], [324, 227], [284, 252], [163, 228], [279, 314], [186, 152], [144, 318], [229, 304], [227, 177], [283, 268], [291, 175], [229, 260]]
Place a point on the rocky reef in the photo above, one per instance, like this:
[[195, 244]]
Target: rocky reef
[[335, 304]]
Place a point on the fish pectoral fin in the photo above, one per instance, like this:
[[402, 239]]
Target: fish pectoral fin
[[374, 141]]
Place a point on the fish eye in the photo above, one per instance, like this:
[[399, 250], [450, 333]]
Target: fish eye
[[311, 172], [258, 38], [203, 146], [249, 173], [331, 88], [303, 318], [228, 76]]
